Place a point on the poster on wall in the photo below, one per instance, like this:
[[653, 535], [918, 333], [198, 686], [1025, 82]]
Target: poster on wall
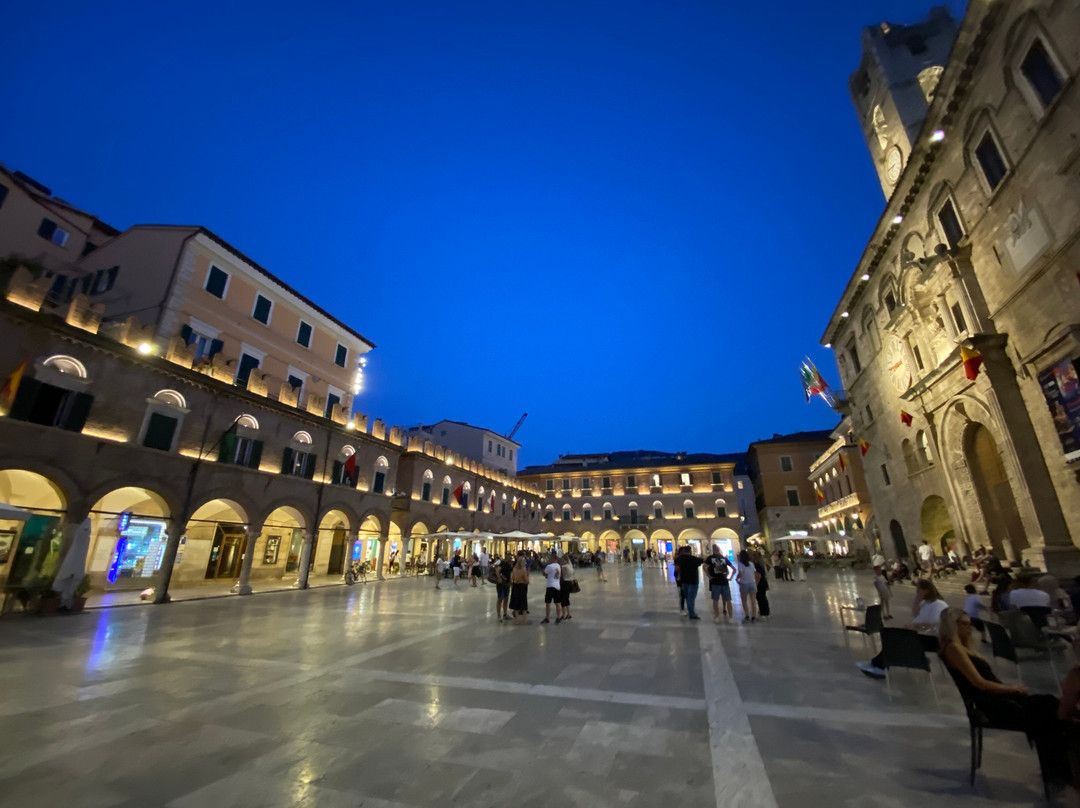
[[7, 539], [273, 544], [1061, 388]]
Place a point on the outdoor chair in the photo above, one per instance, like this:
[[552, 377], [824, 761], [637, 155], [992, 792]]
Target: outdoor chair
[[872, 625], [903, 648], [1040, 615], [977, 722], [1001, 646], [1023, 634]]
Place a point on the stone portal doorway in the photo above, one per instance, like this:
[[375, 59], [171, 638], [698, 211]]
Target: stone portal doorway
[[994, 493]]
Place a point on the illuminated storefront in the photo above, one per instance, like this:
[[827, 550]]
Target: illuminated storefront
[[140, 547]]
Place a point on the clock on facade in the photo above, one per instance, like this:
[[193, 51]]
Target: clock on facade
[[894, 161], [895, 364]]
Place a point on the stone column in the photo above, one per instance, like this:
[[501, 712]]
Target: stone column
[[381, 558], [243, 586], [305, 560], [354, 537], [175, 530]]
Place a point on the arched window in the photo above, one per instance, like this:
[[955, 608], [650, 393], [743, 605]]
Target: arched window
[[910, 461], [344, 471], [586, 512], [688, 508], [658, 509], [247, 421], [378, 484], [608, 512], [66, 364], [466, 489], [633, 513], [425, 492], [170, 398], [445, 491], [721, 509], [302, 437], [566, 513], [549, 513], [161, 425], [922, 446]]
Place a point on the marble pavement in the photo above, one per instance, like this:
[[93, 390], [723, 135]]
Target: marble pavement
[[394, 695]]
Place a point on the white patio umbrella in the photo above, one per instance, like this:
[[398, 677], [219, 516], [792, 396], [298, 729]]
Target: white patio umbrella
[[73, 567], [11, 512]]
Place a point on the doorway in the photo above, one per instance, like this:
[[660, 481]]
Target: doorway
[[897, 533], [226, 552], [993, 490], [337, 552]]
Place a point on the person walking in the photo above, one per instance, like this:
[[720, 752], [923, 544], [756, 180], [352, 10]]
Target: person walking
[[882, 587], [762, 595], [688, 565], [519, 592], [502, 570], [678, 580], [567, 585], [552, 573], [440, 569], [719, 570], [599, 561], [455, 567], [485, 564], [746, 575], [474, 569], [926, 558]]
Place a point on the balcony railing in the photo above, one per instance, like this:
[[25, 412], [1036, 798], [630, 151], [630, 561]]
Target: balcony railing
[[842, 504]]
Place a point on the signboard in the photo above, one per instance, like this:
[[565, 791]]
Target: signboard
[[1061, 388], [273, 544]]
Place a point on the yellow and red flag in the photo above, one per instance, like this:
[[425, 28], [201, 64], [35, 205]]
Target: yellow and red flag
[[972, 360], [905, 418], [843, 463], [11, 386], [863, 447]]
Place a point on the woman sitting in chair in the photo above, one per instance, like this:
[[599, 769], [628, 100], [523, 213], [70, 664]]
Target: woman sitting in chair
[[1006, 706], [926, 613]]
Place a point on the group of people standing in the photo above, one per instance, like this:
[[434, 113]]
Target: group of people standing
[[510, 575], [747, 574]]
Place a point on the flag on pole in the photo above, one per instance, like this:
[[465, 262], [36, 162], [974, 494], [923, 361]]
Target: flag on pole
[[972, 360], [459, 493], [812, 381], [227, 443], [491, 506], [905, 418], [349, 470], [843, 463], [863, 447], [11, 386], [820, 496], [514, 506]]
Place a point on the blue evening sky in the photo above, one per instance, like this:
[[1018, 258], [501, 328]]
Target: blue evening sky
[[631, 219]]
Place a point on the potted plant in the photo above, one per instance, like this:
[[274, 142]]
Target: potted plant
[[79, 601], [48, 599]]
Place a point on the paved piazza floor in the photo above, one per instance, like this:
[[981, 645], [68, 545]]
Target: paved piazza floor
[[393, 694]]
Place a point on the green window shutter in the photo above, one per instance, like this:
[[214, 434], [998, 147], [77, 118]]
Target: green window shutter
[[309, 466], [78, 410], [335, 475], [287, 461], [256, 454], [159, 432]]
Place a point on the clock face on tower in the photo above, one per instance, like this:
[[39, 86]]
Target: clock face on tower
[[894, 161], [899, 373]]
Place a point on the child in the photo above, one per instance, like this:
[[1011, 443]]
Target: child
[[882, 587], [973, 607]]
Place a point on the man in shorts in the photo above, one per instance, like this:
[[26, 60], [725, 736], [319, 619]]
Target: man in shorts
[[926, 558], [552, 574], [719, 570]]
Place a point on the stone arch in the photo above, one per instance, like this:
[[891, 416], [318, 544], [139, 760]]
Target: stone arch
[[209, 507], [900, 547], [691, 534], [296, 510], [30, 488], [351, 517], [418, 528], [936, 524], [332, 541]]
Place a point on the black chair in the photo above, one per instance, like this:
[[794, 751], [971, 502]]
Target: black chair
[[904, 648], [978, 721], [1040, 615], [1002, 646], [1025, 635], [871, 626]]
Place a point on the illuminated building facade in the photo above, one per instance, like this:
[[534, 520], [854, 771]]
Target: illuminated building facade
[[957, 335]]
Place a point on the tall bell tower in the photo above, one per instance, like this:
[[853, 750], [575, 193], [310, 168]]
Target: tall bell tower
[[895, 82]]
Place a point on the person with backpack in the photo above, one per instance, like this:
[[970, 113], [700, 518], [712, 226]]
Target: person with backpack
[[719, 570], [499, 574]]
